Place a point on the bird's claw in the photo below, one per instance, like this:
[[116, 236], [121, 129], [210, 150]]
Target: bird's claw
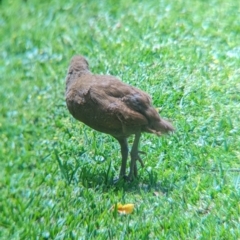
[[124, 178], [138, 158]]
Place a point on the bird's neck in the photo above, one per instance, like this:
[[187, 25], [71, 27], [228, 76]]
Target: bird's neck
[[72, 78]]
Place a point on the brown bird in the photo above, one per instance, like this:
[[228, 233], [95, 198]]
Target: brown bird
[[108, 105]]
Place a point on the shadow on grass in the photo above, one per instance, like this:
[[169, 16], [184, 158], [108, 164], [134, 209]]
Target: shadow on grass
[[146, 182], [97, 176]]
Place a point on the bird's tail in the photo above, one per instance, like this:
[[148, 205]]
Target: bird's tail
[[165, 126], [160, 127]]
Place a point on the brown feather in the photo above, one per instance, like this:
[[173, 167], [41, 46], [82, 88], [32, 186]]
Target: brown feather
[[108, 105]]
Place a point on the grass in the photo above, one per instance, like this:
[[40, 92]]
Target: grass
[[56, 174]]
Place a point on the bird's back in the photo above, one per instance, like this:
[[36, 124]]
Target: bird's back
[[108, 105]]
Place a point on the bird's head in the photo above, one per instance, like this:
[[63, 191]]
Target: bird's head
[[78, 67], [78, 64]]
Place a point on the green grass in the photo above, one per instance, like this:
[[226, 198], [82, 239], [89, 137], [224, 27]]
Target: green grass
[[56, 174]]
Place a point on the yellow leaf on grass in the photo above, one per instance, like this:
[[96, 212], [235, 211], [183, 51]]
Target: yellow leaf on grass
[[125, 209]]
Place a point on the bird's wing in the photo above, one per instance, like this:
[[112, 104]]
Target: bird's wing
[[135, 106], [120, 99]]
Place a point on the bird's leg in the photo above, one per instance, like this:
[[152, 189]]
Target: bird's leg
[[124, 151], [134, 157]]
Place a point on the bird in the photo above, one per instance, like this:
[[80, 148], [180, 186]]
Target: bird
[[108, 105]]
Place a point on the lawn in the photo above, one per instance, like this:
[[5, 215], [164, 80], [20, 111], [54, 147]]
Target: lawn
[[56, 174]]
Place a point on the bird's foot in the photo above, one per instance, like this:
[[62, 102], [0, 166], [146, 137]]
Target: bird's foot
[[139, 158], [133, 166], [135, 157], [124, 178]]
